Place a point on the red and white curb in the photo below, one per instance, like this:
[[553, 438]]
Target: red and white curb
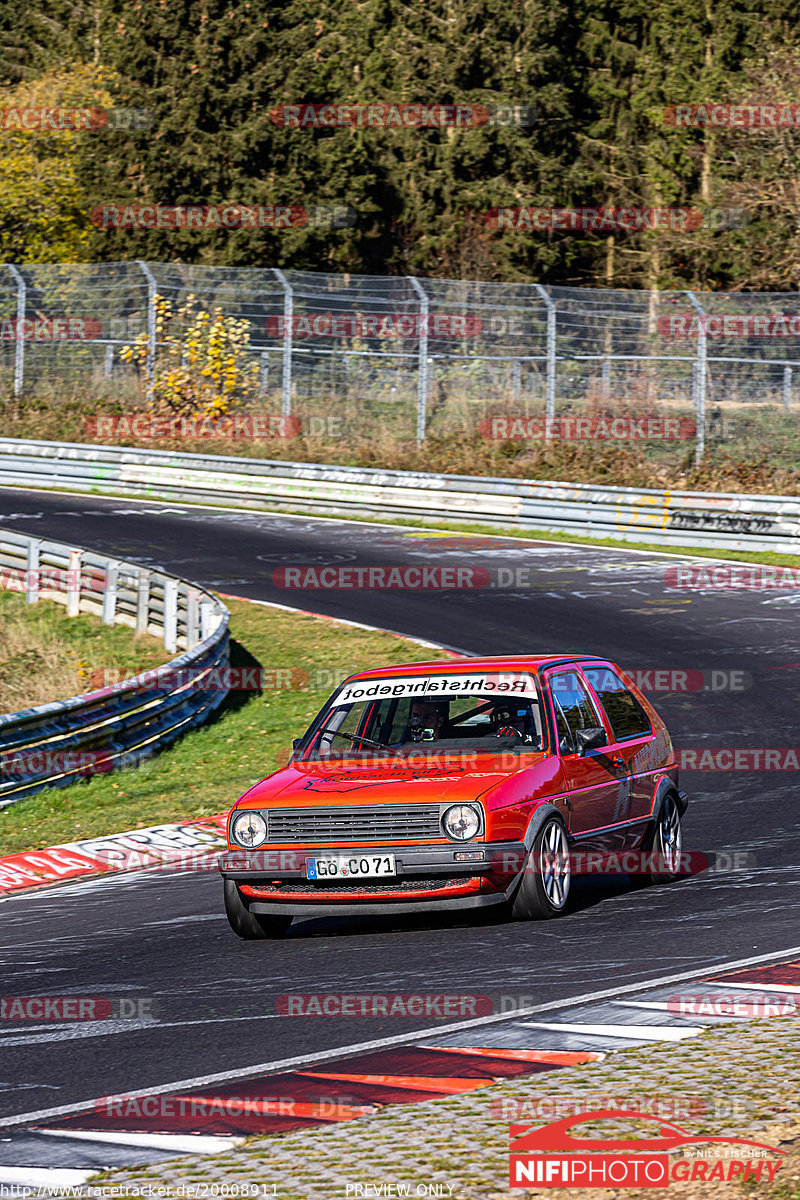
[[189, 845], [216, 1112]]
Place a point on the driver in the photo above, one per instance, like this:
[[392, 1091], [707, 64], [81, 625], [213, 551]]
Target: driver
[[426, 720], [511, 721]]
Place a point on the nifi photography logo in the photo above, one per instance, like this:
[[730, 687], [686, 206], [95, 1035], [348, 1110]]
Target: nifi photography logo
[[549, 1156]]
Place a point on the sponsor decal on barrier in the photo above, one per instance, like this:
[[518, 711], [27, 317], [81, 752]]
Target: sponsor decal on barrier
[[602, 219]]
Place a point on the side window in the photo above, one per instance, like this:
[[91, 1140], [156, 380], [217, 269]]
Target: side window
[[572, 704], [625, 714]]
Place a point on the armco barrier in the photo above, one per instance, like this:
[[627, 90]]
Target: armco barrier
[[60, 743], [723, 520]]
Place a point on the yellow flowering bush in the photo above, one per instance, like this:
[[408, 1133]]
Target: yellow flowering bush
[[201, 364]]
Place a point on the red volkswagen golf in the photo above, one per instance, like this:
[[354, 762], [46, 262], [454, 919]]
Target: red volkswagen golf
[[436, 786]]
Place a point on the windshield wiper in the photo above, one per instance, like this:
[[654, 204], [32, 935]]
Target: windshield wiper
[[355, 737]]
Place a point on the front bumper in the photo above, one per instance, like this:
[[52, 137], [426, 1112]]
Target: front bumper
[[429, 878]]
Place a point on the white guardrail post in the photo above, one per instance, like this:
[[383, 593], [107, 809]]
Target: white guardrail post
[[288, 338], [32, 571], [74, 583], [110, 593], [550, 405], [151, 327], [422, 381], [702, 361], [19, 347], [170, 615]]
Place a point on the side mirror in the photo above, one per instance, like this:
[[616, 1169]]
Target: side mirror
[[296, 742], [590, 739]]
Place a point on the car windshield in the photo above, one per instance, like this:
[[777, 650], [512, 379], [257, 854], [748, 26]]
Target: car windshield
[[427, 714]]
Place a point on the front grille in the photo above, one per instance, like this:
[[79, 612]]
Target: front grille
[[423, 884], [392, 822]]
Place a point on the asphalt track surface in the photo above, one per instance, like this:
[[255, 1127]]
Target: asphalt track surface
[[166, 938]]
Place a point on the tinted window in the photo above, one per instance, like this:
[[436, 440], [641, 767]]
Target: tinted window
[[572, 703], [625, 714]]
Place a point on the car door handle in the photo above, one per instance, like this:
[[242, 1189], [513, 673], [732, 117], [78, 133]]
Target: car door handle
[[618, 762]]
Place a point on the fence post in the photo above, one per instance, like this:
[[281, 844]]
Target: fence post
[[606, 378], [32, 572], [109, 366], [550, 410], [422, 378], [110, 593], [702, 359], [516, 381], [288, 313], [74, 583], [263, 374], [19, 331], [171, 615], [151, 328], [787, 386], [143, 602]]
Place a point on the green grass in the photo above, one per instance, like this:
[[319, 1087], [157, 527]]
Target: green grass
[[247, 739], [46, 655]]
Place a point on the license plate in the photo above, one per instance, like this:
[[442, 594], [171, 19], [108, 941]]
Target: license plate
[[356, 866]]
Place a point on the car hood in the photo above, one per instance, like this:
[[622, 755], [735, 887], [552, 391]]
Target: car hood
[[310, 783]]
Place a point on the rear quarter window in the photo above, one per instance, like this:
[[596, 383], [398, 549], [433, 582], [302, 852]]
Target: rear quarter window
[[625, 714]]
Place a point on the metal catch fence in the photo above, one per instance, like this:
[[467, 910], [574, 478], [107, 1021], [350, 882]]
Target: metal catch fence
[[409, 356]]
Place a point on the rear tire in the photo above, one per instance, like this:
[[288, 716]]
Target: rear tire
[[667, 842], [249, 925], [544, 889]]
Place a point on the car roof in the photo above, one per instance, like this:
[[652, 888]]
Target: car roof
[[503, 662]]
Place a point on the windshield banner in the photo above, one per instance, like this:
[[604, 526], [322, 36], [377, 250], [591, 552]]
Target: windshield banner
[[439, 687]]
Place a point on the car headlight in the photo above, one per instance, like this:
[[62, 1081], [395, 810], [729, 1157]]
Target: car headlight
[[461, 822], [249, 829]]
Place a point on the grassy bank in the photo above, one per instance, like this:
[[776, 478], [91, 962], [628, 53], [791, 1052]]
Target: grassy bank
[[749, 447], [45, 655], [248, 738]]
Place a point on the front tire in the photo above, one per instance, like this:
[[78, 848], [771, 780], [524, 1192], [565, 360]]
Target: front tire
[[247, 925], [667, 843], [544, 889]]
